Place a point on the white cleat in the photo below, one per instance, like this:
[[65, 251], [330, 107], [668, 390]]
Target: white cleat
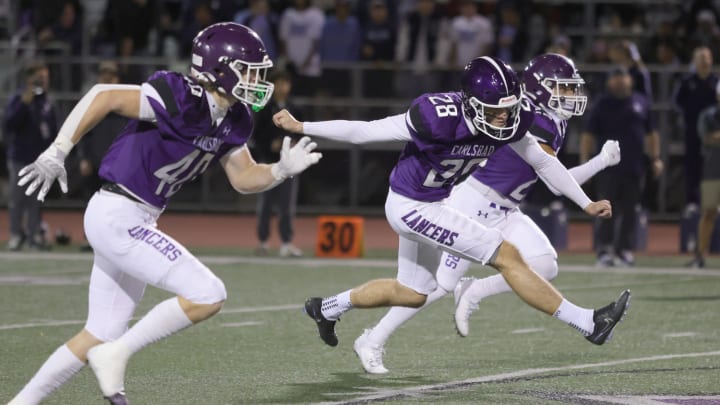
[[108, 362], [463, 307], [370, 355]]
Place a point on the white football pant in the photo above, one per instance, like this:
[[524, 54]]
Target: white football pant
[[425, 230], [488, 208], [131, 252]]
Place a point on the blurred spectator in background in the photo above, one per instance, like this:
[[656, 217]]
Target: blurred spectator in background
[[706, 33], [709, 132], [625, 53], [30, 125], [471, 35], [418, 38], [695, 93], [623, 115], [511, 36], [168, 28], [301, 27], [97, 141], [65, 28], [340, 42], [198, 16], [264, 22], [128, 24], [266, 143], [379, 39]]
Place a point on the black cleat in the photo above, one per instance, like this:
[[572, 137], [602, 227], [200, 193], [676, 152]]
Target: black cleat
[[326, 328], [118, 399], [607, 318], [697, 263]]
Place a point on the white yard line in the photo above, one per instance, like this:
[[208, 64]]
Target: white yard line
[[39, 324], [240, 310], [654, 399], [409, 391], [383, 263], [236, 324], [679, 334], [528, 330]]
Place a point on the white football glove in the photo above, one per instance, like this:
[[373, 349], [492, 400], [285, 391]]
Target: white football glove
[[610, 153], [50, 165], [296, 159]]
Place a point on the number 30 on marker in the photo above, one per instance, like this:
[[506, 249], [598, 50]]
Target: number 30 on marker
[[339, 236]]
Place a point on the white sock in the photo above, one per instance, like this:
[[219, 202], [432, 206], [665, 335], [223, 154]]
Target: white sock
[[397, 316], [56, 371], [485, 287], [333, 307], [162, 321], [575, 316]]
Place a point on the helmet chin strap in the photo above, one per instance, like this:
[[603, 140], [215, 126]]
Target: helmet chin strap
[[468, 121]]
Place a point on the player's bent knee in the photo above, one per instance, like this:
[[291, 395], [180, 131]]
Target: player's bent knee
[[210, 291], [546, 266], [508, 258], [409, 297]]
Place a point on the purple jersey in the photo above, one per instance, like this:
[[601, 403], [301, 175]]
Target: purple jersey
[[443, 150], [154, 159], [507, 173]]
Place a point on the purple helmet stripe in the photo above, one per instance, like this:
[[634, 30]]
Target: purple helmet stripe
[[496, 66]]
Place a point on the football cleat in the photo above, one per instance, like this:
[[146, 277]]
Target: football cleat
[[326, 328], [463, 307], [370, 355], [605, 260], [697, 263], [108, 362], [118, 399], [608, 317]]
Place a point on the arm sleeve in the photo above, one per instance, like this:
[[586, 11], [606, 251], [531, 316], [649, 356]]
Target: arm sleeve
[[550, 170], [583, 172], [391, 128]]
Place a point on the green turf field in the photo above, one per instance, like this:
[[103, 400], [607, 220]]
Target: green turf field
[[263, 350]]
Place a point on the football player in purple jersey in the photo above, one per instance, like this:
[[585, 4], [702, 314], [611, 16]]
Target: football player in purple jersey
[[447, 136], [179, 125], [491, 196]]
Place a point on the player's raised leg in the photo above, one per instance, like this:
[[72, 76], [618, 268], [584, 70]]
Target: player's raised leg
[[535, 248], [142, 252], [416, 267]]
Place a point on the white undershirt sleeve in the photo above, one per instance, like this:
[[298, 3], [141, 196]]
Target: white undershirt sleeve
[[583, 172], [63, 141], [146, 111], [550, 170], [391, 128]]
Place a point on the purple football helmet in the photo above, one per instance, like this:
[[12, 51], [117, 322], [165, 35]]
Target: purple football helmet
[[489, 87], [233, 58], [552, 82]]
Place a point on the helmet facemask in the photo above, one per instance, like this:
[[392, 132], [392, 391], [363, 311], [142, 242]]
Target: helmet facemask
[[252, 87], [563, 103], [485, 113]]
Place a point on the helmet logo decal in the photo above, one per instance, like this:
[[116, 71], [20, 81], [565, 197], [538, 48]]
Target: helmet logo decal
[[497, 67], [197, 60]]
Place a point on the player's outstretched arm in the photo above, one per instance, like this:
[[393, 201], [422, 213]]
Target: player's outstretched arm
[[609, 156], [248, 176], [552, 172], [97, 103], [391, 128]]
